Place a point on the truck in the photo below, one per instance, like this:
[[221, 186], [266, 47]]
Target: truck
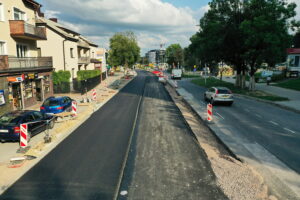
[[293, 64], [176, 73]]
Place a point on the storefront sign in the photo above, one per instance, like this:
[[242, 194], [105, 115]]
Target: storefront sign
[[2, 98], [31, 76], [15, 79]]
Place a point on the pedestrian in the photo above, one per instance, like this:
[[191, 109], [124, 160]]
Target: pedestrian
[[268, 80]]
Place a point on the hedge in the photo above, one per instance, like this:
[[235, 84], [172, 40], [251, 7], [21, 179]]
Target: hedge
[[61, 81], [87, 74]]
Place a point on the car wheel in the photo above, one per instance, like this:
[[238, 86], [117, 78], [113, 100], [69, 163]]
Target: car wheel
[[212, 102], [51, 124], [230, 104]]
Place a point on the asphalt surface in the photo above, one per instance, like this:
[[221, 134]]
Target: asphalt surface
[[274, 128], [165, 160], [87, 164]]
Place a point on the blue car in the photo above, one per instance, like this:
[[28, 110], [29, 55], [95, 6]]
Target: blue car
[[54, 105], [11, 121]]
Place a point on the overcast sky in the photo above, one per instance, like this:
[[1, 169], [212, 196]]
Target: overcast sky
[[153, 21]]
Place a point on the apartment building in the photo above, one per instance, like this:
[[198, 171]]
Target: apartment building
[[25, 76], [70, 50]]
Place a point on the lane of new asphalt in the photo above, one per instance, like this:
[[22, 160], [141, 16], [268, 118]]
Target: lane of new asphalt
[[276, 129], [165, 160], [87, 164]]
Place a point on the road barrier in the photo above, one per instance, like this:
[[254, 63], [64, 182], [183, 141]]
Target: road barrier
[[209, 112], [74, 108], [94, 95], [175, 83], [23, 135]]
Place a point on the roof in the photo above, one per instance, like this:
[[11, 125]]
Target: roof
[[56, 27], [34, 3], [89, 42]]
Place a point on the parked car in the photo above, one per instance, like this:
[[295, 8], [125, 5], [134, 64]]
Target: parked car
[[176, 73], [54, 105], [219, 94], [11, 121]]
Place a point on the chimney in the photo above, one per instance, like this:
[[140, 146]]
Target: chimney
[[53, 19]]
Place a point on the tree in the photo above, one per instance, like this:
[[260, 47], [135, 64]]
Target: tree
[[174, 54], [265, 28], [124, 49]]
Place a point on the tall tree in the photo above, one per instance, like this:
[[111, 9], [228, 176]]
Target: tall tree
[[266, 30], [174, 54], [124, 49]]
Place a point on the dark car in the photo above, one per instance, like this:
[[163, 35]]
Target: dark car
[[54, 105], [10, 124]]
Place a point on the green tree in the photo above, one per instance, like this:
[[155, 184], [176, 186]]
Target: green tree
[[265, 28], [124, 49], [174, 54]]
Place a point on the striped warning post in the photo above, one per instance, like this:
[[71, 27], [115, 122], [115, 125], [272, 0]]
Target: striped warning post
[[23, 135], [94, 94], [175, 82], [209, 112], [74, 108]]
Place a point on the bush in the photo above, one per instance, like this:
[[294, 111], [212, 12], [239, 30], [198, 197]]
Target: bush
[[87, 74], [61, 77], [61, 81]]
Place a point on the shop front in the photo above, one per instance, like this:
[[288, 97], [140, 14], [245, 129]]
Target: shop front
[[29, 89]]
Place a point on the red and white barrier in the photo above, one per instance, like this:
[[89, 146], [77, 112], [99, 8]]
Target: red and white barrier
[[23, 135], [209, 112], [74, 108], [94, 95]]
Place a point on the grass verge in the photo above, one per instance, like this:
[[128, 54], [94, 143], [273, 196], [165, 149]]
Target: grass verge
[[190, 75], [212, 82], [293, 84]]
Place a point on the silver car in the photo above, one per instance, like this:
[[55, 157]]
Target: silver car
[[219, 94]]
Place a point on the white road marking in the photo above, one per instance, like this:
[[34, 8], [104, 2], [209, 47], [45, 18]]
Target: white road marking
[[273, 123], [257, 115], [289, 130], [220, 115]]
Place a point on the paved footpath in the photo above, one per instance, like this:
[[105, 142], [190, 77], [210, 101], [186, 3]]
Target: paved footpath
[[293, 95]]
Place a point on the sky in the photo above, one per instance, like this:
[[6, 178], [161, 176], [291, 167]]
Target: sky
[[154, 22]]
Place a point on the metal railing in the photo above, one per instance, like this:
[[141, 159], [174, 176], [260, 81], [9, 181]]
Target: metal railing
[[21, 28], [84, 60], [33, 30], [30, 62]]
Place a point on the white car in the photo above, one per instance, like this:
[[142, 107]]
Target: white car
[[219, 94]]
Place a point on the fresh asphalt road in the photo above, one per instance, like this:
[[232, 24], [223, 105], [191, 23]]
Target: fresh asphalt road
[[88, 163], [274, 128], [165, 160]]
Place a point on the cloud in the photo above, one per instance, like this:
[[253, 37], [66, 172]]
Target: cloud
[[153, 21]]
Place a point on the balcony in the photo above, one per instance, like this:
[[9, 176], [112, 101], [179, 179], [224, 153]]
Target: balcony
[[14, 64], [84, 60], [23, 30]]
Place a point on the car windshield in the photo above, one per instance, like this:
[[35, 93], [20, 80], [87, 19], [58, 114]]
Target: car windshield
[[223, 91], [9, 119], [51, 102]]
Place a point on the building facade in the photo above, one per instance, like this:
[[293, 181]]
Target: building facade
[[25, 76]]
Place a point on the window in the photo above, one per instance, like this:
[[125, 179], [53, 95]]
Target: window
[[1, 12], [21, 51], [2, 48], [28, 89], [296, 61], [19, 15], [38, 115], [72, 52], [47, 84], [28, 118]]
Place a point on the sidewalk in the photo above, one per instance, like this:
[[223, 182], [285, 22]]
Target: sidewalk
[[293, 95]]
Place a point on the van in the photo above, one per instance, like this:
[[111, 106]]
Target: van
[[176, 73]]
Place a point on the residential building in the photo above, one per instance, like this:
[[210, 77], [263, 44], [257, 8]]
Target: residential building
[[156, 56], [98, 57], [25, 76], [70, 50]]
